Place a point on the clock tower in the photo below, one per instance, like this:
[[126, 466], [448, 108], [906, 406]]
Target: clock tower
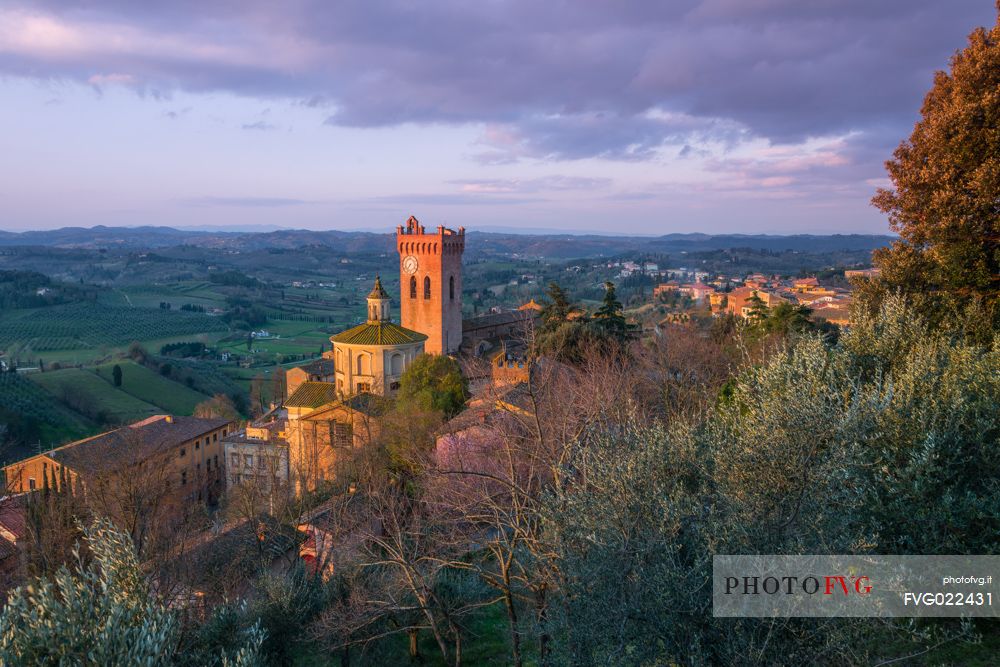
[[430, 284]]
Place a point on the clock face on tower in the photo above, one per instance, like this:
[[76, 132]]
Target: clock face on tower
[[410, 264]]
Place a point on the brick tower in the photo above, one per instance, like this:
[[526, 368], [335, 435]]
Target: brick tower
[[430, 284]]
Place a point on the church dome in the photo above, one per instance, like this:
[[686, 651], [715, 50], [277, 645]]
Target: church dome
[[378, 333]]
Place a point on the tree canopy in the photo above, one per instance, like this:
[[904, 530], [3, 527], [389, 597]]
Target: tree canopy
[[945, 196], [434, 382]]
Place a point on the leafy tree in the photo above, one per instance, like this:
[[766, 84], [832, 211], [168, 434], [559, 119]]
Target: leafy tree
[[946, 185], [609, 315], [102, 613], [434, 382], [758, 312], [116, 374], [888, 442], [557, 309], [219, 405], [786, 318]]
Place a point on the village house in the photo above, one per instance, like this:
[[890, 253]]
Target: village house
[[320, 370], [697, 291], [738, 302], [182, 453], [258, 455]]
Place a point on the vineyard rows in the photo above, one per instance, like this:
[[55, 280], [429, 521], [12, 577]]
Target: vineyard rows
[[82, 326], [22, 396]]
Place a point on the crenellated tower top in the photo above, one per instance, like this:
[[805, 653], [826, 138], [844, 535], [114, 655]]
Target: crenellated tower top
[[430, 279]]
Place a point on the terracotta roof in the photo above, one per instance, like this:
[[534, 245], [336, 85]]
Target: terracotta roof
[[12, 516], [364, 402], [494, 319], [318, 367], [378, 333], [135, 442], [531, 305], [312, 395], [7, 549], [368, 403]]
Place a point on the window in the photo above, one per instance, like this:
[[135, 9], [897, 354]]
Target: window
[[216, 458], [183, 451], [364, 386], [248, 460], [208, 465], [396, 364], [451, 288], [413, 287], [263, 462], [198, 468], [393, 386], [342, 435], [236, 460], [184, 477], [215, 437], [197, 444], [427, 287], [31, 483]]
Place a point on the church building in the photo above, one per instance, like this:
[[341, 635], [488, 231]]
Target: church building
[[372, 356]]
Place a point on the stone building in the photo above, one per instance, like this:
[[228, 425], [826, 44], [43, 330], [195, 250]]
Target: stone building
[[182, 453], [430, 279], [258, 455], [320, 370], [371, 357]]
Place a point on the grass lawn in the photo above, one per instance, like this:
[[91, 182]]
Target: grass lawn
[[95, 393], [152, 387]]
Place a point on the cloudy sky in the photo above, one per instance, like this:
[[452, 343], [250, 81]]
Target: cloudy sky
[[595, 115]]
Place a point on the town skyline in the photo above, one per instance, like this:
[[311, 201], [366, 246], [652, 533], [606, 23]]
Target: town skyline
[[711, 117]]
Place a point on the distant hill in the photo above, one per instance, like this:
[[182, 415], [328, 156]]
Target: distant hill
[[556, 246]]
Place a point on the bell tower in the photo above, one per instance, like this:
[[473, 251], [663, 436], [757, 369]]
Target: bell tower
[[430, 283]]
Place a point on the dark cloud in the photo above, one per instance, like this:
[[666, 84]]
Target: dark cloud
[[616, 79]]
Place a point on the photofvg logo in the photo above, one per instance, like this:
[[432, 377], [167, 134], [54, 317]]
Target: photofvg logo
[[809, 585], [854, 586]]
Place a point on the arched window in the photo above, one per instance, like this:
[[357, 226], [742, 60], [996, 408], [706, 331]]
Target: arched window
[[427, 287], [363, 366], [396, 365], [451, 287], [413, 287]]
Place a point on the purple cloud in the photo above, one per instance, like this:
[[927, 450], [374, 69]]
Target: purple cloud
[[558, 80]]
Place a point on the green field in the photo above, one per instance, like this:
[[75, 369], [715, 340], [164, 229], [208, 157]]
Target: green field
[[98, 325], [151, 387], [22, 398], [87, 393]]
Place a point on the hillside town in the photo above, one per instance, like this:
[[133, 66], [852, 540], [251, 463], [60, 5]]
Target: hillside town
[[335, 406], [712, 378]]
